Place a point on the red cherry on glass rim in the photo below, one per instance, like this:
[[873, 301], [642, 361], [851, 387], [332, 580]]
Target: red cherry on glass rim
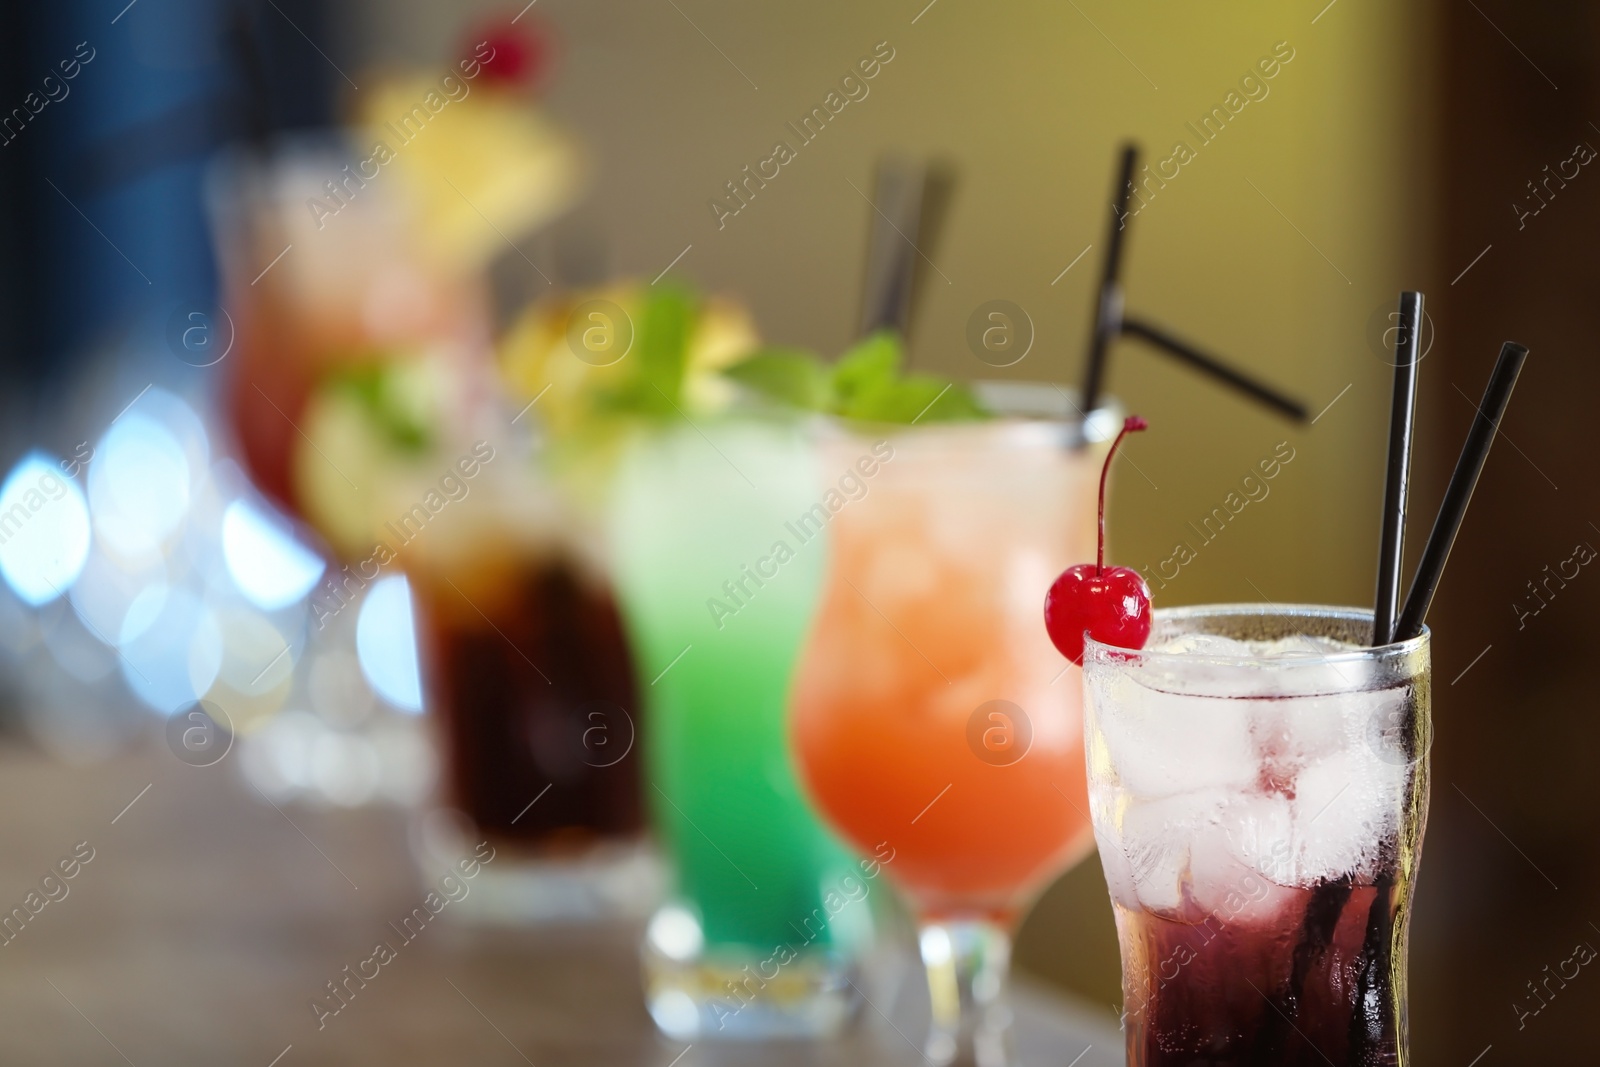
[[1111, 604], [509, 55]]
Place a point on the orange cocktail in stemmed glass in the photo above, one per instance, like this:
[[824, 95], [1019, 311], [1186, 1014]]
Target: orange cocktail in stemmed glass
[[933, 720]]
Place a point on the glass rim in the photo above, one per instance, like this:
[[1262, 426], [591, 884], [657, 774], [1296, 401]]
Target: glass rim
[[1100, 651]]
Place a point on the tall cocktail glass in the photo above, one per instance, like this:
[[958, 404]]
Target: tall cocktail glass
[[933, 720], [1259, 786], [531, 692], [760, 936]]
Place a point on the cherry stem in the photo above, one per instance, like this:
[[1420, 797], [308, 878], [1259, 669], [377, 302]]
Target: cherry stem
[[1132, 424]]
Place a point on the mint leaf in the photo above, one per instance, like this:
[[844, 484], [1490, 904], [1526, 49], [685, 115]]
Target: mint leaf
[[864, 384], [956, 404], [662, 338], [791, 375], [917, 397], [867, 364], [653, 385]]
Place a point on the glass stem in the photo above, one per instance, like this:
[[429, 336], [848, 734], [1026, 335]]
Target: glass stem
[[967, 963]]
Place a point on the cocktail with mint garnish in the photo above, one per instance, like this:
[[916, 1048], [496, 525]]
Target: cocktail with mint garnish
[[931, 716], [724, 525]]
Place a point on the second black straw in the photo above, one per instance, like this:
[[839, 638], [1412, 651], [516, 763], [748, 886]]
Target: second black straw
[[1397, 477]]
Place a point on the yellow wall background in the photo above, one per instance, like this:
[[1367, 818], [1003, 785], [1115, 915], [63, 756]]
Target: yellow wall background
[[1030, 101]]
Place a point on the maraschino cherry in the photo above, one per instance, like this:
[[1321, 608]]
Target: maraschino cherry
[[1111, 603], [518, 56]]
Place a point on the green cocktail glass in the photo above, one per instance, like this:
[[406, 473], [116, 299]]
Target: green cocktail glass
[[718, 586]]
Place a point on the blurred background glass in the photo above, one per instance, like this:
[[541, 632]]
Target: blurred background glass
[[216, 393]]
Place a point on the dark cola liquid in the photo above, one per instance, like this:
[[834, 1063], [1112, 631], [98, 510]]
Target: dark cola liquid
[[536, 701], [1321, 981]]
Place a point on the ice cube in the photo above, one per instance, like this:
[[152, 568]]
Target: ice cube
[[1320, 677], [1346, 806], [1303, 645], [1158, 836], [1241, 865], [1201, 856], [1291, 732], [1160, 744], [1213, 868], [1297, 665], [1260, 833], [1204, 645]]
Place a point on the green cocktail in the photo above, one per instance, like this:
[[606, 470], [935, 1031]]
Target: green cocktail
[[718, 584]]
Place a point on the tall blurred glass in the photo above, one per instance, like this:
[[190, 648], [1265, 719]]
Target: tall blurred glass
[[1259, 785], [718, 589], [933, 717], [306, 295], [529, 683]]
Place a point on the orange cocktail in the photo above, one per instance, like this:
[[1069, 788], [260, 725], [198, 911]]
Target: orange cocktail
[[932, 715]]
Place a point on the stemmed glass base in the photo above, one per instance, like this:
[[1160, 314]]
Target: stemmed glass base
[[967, 961]]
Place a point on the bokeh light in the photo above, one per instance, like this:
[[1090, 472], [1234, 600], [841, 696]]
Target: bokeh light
[[44, 530], [386, 642], [172, 659], [265, 560], [138, 485], [108, 587]]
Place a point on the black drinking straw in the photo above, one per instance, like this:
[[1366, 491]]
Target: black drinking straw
[[1402, 417], [1108, 298], [1134, 326], [1110, 323], [1391, 546], [911, 201], [1464, 479]]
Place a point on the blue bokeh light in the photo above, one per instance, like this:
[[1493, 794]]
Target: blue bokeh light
[[44, 530]]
